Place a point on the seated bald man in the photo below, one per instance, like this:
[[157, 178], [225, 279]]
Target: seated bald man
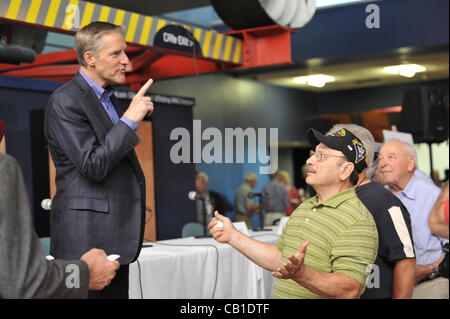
[[397, 166]]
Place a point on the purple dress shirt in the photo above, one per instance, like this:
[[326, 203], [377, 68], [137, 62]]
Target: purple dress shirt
[[105, 99]]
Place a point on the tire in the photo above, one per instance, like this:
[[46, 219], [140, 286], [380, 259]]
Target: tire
[[242, 14]]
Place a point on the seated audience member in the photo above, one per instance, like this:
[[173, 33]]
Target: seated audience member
[[419, 174], [247, 209], [213, 200], [397, 166], [275, 200], [24, 270], [294, 196], [394, 276], [313, 258]]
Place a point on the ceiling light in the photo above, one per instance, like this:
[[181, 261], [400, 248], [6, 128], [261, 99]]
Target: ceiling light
[[317, 80], [330, 3], [406, 70]]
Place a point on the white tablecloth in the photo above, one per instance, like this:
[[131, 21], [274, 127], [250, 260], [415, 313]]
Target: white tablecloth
[[213, 270]]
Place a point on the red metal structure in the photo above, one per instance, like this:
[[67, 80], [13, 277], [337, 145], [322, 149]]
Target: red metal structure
[[253, 48]]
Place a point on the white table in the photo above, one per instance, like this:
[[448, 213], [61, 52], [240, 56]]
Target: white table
[[213, 270]]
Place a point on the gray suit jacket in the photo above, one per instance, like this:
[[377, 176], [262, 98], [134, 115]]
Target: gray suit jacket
[[24, 271], [100, 197]]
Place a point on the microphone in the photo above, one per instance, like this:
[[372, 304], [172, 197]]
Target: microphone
[[194, 196], [253, 195], [46, 204]]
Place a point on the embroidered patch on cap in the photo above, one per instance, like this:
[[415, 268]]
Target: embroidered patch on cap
[[360, 151], [340, 133]]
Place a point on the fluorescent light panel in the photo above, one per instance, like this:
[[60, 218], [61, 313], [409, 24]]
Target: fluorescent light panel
[[406, 70], [316, 80]]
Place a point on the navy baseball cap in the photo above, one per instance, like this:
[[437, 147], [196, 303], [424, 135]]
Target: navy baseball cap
[[344, 141]]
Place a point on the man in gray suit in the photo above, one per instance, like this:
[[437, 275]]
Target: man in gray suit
[[24, 271], [100, 198]]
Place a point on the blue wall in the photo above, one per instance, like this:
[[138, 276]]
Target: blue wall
[[223, 102], [21, 97], [227, 102], [342, 32], [18, 97]]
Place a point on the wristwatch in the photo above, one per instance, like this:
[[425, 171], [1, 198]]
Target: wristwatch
[[434, 272]]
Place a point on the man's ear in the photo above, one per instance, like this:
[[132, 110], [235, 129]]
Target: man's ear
[[89, 58], [411, 164], [346, 170]]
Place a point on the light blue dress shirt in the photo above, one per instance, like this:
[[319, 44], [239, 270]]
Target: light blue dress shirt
[[419, 197], [105, 99], [423, 176]]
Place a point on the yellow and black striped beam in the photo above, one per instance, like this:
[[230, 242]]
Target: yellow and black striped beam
[[71, 15]]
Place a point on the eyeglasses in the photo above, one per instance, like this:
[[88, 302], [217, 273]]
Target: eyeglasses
[[319, 156]]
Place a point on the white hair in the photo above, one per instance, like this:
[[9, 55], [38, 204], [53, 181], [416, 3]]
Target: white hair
[[204, 176], [362, 134], [250, 177]]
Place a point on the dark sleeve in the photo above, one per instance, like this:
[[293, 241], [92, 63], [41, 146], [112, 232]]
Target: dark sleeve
[[392, 220], [394, 229], [227, 206], [2, 130], [68, 129], [24, 271], [398, 233], [218, 201]]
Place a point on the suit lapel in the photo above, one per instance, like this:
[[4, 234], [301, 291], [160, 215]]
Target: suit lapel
[[132, 156], [93, 105]]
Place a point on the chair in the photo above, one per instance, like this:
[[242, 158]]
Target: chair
[[45, 241], [192, 229]]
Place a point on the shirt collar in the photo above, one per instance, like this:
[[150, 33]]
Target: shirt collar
[[337, 199], [100, 92], [410, 189]]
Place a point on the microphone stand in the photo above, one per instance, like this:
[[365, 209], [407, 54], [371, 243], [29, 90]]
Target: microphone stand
[[262, 214], [204, 214]]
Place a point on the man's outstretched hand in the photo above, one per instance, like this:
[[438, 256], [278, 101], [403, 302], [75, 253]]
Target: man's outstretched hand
[[140, 105], [293, 268]]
